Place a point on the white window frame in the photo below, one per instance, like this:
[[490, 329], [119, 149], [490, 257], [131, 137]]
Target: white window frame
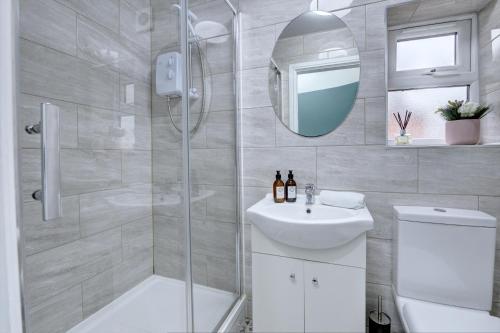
[[465, 72], [295, 69]]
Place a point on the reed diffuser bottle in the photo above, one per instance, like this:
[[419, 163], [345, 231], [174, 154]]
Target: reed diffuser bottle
[[403, 138]]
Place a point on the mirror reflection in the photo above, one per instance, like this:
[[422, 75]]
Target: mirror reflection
[[314, 74]]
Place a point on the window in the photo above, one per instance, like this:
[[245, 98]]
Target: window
[[428, 65]]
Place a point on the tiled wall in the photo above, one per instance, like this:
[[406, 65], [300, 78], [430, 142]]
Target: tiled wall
[[79, 55], [212, 155], [354, 156], [489, 62]]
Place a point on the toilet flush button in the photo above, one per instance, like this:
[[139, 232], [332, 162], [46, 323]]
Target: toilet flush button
[[442, 210]]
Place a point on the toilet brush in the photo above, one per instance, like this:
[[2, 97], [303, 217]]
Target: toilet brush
[[379, 322]]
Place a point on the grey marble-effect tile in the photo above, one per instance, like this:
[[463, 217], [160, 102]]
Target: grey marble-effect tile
[[372, 82], [213, 238], [330, 5], [41, 235], [108, 285], [131, 27], [137, 237], [488, 23], [98, 45], [252, 195], [379, 261], [285, 48], [167, 166], [459, 171], [29, 113], [136, 167], [219, 54], [490, 124], [350, 132], [375, 121], [257, 47], [213, 166], [222, 92], [170, 263], [97, 292], [399, 14], [168, 200], [259, 13], [376, 25], [49, 23], [105, 13], [45, 72], [89, 170], [354, 18], [260, 165], [489, 66], [221, 203], [491, 205], [30, 162], [221, 273], [135, 62], [166, 137], [255, 88], [168, 232], [104, 210], [259, 127], [366, 168], [50, 272], [142, 97], [165, 30], [221, 129], [381, 207], [57, 314], [106, 129], [389, 307]]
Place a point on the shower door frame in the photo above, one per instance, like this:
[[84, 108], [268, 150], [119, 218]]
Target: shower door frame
[[11, 248], [231, 316]]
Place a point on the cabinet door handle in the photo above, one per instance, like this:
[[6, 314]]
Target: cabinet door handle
[[315, 281], [292, 276]]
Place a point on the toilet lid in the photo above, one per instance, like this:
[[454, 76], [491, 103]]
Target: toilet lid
[[432, 317]]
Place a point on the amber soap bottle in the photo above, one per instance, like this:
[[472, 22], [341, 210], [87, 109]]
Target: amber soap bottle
[[278, 189], [290, 188]]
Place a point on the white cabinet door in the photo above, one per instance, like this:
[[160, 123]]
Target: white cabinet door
[[334, 298], [278, 294]]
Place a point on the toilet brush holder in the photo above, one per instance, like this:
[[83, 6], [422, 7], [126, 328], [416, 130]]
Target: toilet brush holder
[[378, 321]]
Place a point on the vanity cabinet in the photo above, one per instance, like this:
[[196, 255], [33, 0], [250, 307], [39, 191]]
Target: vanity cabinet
[[300, 290]]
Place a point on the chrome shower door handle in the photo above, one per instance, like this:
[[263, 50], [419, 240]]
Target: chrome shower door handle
[[51, 167]]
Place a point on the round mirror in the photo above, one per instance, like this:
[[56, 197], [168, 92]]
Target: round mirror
[[314, 74]]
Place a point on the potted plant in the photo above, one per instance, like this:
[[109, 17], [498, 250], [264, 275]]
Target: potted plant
[[463, 122]]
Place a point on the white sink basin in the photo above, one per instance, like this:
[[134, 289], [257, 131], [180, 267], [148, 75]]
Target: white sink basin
[[322, 228]]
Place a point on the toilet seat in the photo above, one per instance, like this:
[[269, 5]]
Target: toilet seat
[[421, 316]]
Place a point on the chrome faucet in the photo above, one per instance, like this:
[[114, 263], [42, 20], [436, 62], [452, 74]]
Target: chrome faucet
[[309, 194]]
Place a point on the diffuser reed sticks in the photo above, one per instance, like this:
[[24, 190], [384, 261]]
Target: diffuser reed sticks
[[403, 122]]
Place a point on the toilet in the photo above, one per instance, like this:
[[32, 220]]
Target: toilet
[[443, 265]]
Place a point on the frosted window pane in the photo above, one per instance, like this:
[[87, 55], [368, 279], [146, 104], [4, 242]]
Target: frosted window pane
[[426, 53], [424, 123]]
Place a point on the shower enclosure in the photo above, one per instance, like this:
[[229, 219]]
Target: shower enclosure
[[129, 155]]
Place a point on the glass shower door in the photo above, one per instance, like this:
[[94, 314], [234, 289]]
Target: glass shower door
[[212, 162]]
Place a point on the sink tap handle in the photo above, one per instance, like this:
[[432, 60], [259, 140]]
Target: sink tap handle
[[310, 188]]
